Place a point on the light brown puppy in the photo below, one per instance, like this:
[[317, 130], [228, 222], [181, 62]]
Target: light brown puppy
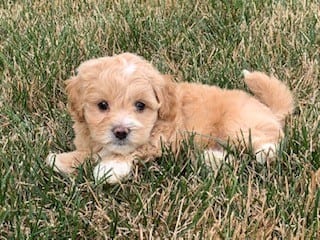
[[123, 109]]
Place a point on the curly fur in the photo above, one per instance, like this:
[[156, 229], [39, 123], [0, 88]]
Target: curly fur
[[172, 111]]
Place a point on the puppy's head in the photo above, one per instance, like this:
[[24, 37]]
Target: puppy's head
[[120, 99]]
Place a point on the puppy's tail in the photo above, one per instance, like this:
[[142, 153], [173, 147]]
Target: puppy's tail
[[270, 91]]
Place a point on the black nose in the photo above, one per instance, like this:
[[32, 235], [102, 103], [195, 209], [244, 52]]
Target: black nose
[[120, 132]]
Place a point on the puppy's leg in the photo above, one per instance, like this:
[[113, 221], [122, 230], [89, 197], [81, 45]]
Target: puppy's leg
[[265, 143], [266, 152], [113, 168], [260, 131], [66, 162], [215, 158]]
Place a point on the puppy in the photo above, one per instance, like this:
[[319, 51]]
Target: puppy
[[124, 109]]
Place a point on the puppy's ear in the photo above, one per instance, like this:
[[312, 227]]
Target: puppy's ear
[[165, 90], [75, 104]]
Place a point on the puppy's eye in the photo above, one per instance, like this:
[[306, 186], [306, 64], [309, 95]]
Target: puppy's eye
[[103, 106], [140, 106]]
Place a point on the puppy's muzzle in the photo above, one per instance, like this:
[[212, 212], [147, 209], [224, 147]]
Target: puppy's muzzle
[[120, 132]]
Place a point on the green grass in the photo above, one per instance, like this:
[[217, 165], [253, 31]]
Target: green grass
[[41, 45]]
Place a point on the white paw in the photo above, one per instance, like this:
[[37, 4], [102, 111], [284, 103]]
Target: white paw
[[245, 72], [214, 158], [112, 171], [51, 159], [59, 164], [267, 151], [54, 161]]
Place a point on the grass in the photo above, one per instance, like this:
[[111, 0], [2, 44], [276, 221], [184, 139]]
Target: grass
[[41, 45]]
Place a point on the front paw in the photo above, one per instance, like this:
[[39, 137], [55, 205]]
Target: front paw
[[113, 171], [60, 162]]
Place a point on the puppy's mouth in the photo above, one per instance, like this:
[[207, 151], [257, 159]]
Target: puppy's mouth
[[123, 147], [122, 138], [123, 142]]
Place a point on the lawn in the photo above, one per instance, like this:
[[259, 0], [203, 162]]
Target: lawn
[[43, 42]]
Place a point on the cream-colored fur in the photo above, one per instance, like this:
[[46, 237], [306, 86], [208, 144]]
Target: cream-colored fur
[[123, 108]]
